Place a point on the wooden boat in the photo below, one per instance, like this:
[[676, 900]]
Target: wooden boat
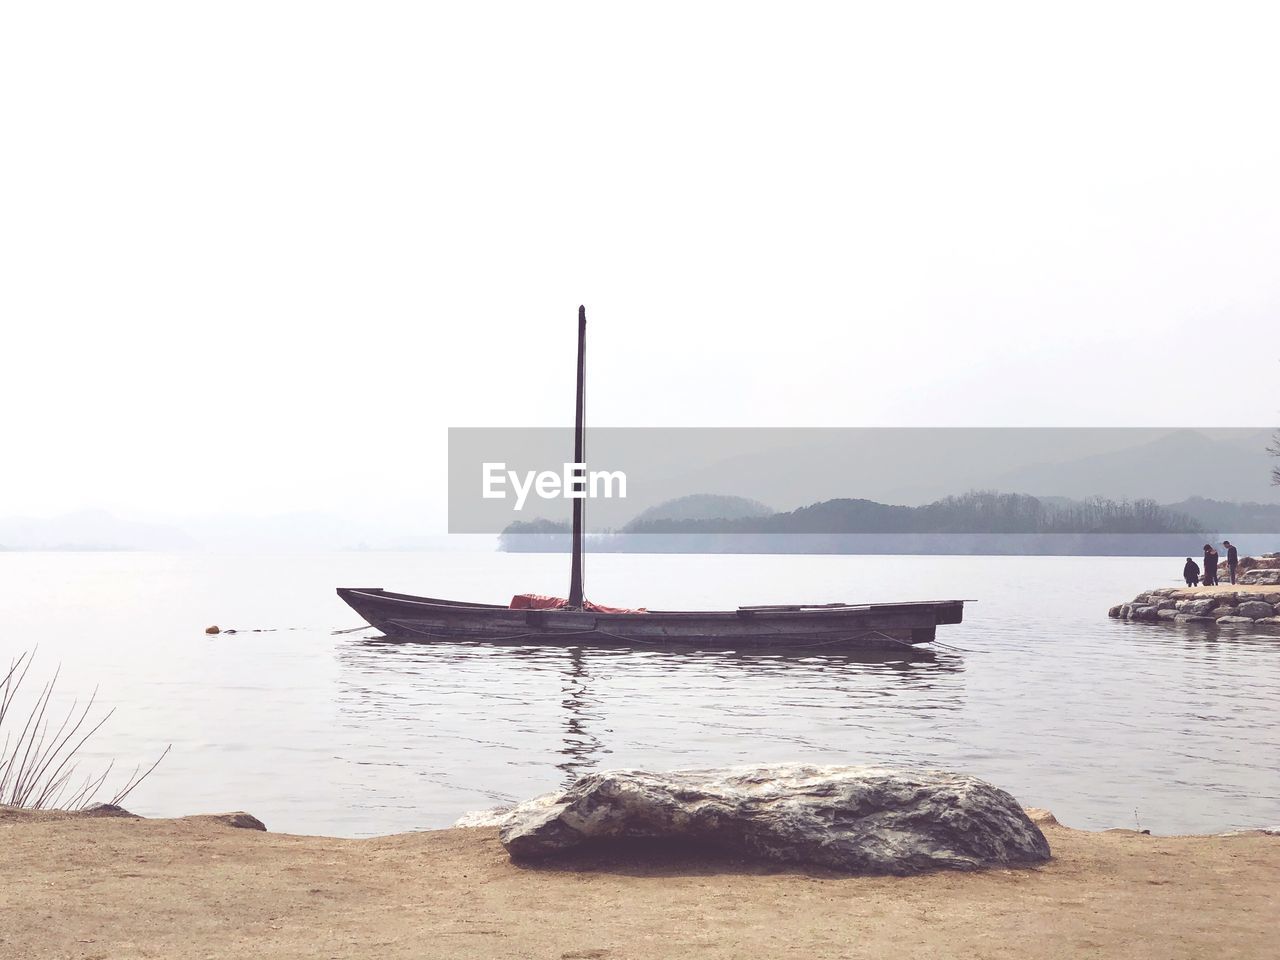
[[867, 626], [874, 626]]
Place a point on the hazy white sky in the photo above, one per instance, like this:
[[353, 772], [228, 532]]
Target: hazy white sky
[[259, 256]]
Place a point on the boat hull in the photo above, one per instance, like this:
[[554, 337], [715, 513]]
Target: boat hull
[[847, 626]]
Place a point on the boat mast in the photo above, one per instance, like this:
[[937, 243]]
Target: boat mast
[[575, 574]]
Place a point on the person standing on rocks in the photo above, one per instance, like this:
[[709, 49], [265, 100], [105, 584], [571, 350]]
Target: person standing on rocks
[[1233, 558], [1210, 565], [1191, 573]]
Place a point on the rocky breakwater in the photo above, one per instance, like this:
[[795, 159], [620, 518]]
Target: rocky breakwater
[[851, 819], [1202, 605]]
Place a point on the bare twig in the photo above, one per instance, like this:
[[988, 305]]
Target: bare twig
[[128, 788], [36, 768]]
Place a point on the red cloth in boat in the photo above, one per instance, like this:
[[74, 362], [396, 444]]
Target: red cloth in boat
[[536, 601]]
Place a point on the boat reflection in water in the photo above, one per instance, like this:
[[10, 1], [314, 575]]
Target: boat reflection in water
[[503, 722]]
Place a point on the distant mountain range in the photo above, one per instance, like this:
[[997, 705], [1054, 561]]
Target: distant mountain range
[[1218, 478], [303, 532], [1179, 466], [90, 530], [101, 530]]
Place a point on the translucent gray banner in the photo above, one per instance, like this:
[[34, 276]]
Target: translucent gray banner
[[881, 490]]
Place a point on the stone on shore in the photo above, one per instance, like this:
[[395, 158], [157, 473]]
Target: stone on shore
[[106, 810], [238, 819], [1255, 609], [1197, 608], [852, 819]]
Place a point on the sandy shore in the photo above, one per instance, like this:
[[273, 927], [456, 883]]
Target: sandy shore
[[108, 888], [1265, 589]]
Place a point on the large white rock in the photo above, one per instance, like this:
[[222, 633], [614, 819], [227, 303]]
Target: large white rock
[[489, 817], [855, 819]]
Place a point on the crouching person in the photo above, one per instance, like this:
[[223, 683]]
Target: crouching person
[[1191, 573]]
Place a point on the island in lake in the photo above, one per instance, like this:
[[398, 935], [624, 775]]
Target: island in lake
[[976, 523]]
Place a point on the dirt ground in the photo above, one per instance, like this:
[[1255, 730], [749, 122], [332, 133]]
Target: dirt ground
[[123, 888]]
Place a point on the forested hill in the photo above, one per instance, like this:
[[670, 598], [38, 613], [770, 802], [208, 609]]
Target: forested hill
[[974, 523], [975, 512]]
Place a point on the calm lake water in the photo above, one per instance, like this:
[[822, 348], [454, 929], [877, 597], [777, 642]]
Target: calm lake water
[[1105, 723]]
